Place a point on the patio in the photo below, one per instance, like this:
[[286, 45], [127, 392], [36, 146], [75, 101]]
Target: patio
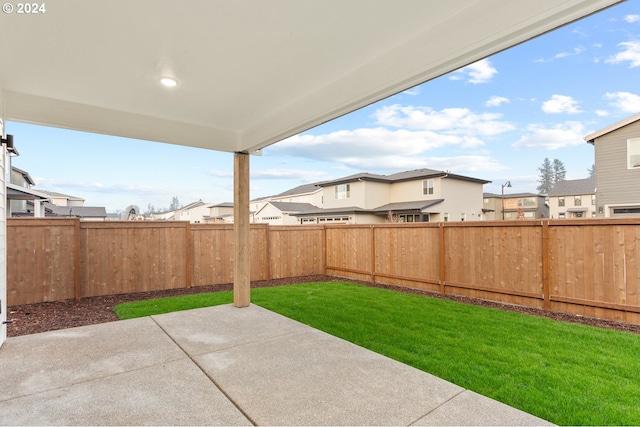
[[224, 366]]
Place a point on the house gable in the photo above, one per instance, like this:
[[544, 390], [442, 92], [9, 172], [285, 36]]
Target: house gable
[[617, 182]]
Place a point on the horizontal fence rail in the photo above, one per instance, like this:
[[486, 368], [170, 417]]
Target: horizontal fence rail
[[586, 267]]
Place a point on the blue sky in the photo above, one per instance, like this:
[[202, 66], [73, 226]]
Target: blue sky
[[496, 119]]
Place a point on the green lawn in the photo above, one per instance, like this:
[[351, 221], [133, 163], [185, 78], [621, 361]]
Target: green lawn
[[566, 373]]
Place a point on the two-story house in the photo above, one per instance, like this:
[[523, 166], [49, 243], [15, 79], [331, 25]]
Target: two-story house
[[282, 208], [422, 195], [515, 206], [617, 167], [573, 198]]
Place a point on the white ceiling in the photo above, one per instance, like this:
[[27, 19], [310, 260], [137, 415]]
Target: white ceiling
[[250, 73]]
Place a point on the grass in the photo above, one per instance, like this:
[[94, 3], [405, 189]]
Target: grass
[[566, 373]]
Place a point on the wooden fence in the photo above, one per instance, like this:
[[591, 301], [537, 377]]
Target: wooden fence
[[587, 267]]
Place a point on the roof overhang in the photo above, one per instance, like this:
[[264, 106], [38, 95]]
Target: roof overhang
[[591, 138], [249, 73], [16, 192]]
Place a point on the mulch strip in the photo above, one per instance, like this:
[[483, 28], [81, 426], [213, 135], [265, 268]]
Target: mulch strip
[[50, 316]]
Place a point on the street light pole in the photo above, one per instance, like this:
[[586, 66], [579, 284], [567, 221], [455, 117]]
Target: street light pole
[[508, 185]]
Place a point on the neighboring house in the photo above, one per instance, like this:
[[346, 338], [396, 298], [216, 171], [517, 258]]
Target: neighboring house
[[282, 213], [574, 198], [617, 166], [193, 212], [516, 206], [422, 195], [86, 213], [20, 192], [221, 213], [63, 205]]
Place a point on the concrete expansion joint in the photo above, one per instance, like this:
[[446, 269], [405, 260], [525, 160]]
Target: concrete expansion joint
[[213, 381], [436, 407]]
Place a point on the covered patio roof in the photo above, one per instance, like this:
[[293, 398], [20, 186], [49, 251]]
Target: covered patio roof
[[249, 73]]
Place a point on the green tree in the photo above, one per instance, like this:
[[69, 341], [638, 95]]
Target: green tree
[[559, 171], [592, 171], [546, 176]]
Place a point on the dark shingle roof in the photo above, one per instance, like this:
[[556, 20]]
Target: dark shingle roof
[[574, 187], [78, 211], [405, 206], [399, 177], [294, 207]]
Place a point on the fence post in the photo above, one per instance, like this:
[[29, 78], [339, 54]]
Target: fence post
[[77, 284], [189, 260], [266, 251], [373, 253], [443, 260], [546, 256]]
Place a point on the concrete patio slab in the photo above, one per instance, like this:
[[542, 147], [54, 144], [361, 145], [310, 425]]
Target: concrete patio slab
[[172, 393], [472, 409], [223, 365], [40, 362]]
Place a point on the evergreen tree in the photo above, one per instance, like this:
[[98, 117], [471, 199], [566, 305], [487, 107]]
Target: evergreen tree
[[559, 171], [175, 204], [545, 179], [592, 171]]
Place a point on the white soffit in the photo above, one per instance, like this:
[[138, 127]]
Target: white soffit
[[250, 73]]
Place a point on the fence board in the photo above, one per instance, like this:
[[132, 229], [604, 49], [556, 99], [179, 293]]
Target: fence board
[[588, 267], [40, 261]]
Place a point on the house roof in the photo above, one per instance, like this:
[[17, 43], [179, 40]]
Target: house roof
[[78, 211], [399, 177], [16, 192], [407, 206], [243, 68], [53, 194], [593, 136], [25, 175], [223, 205], [510, 196], [573, 187], [300, 189], [290, 207]]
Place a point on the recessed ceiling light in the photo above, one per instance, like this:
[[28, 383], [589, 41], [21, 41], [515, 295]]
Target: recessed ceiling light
[[168, 82]]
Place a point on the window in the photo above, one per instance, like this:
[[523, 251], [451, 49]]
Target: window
[[486, 201], [343, 191], [427, 186], [446, 217], [593, 200], [529, 215], [633, 153], [561, 215], [619, 211], [527, 202], [577, 200], [561, 201]]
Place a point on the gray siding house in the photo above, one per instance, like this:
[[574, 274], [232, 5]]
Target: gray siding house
[[573, 198], [617, 165]]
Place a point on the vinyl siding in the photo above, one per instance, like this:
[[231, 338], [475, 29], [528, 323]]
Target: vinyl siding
[[615, 183]]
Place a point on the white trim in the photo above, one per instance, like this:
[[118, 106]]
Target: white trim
[[629, 142]]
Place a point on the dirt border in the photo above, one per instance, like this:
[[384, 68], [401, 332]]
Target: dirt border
[[50, 316]]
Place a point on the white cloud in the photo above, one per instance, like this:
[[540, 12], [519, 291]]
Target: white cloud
[[551, 138], [304, 175], [602, 113], [576, 51], [625, 101], [496, 101], [478, 72], [456, 121], [630, 53], [632, 18], [559, 104], [412, 92]]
